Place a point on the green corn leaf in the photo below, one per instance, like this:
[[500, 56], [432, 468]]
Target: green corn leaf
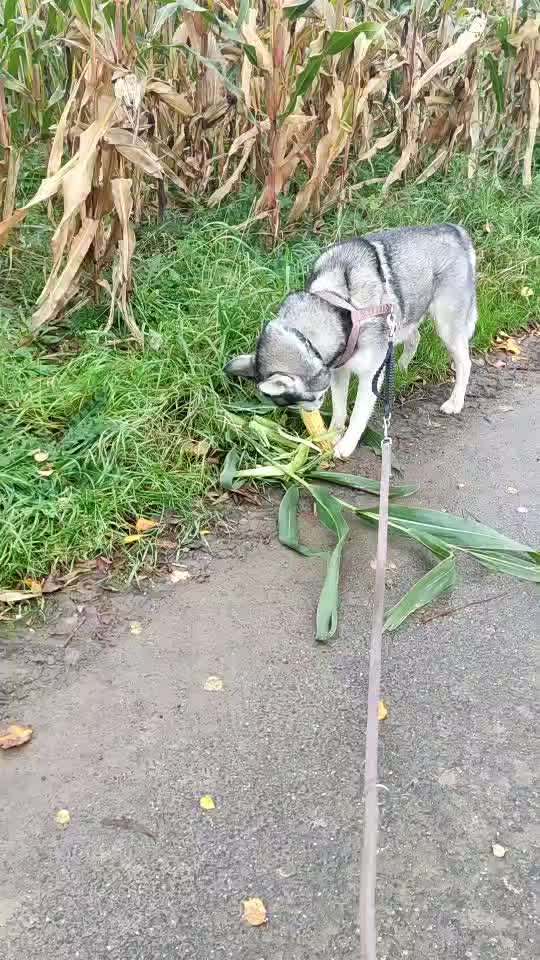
[[169, 10], [84, 9], [327, 607], [436, 581], [288, 524], [304, 82], [522, 566], [496, 81], [228, 471], [337, 42], [243, 10], [354, 482], [458, 532], [341, 40], [294, 13], [330, 513]]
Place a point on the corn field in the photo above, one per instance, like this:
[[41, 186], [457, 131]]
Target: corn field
[[145, 104]]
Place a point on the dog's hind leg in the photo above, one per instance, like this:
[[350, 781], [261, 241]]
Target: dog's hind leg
[[455, 321], [410, 346], [340, 391]]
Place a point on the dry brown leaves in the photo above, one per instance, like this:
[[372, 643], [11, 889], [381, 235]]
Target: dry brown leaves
[[15, 735], [255, 912]]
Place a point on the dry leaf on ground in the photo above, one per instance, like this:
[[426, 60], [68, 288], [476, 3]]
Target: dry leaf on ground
[[14, 736], [510, 345], [14, 596], [255, 912], [382, 712], [207, 802], [133, 538], [178, 575], [62, 819], [33, 585], [142, 525]]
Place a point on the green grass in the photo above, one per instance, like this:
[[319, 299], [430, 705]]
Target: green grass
[[116, 422]]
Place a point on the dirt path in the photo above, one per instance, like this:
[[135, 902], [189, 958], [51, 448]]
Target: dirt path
[[127, 739]]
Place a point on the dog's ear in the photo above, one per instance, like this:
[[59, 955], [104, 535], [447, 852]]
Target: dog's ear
[[242, 366], [333, 280], [277, 384]]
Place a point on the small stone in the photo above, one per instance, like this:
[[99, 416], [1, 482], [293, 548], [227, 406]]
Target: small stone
[[522, 510], [178, 575], [498, 850]]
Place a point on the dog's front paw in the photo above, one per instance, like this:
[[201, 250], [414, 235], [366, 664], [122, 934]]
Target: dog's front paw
[[344, 448], [451, 406]]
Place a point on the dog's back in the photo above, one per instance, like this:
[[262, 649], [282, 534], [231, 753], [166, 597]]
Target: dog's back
[[407, 265]]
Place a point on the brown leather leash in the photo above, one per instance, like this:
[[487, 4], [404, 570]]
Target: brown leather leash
[[368, 868]]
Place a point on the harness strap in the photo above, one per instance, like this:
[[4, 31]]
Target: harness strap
[[360, 316]]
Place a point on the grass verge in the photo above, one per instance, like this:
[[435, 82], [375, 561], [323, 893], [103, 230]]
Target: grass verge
[[119, 426]]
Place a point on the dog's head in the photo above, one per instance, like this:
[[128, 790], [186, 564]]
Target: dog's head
[[286, 366]]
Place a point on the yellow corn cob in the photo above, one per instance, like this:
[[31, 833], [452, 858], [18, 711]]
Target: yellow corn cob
[[315, 426]]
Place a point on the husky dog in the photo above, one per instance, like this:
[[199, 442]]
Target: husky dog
[[315, 342]]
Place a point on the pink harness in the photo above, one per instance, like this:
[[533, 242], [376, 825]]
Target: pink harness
[[359, 316]]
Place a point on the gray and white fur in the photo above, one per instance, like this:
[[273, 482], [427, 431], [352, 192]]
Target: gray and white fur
[[419, 270]]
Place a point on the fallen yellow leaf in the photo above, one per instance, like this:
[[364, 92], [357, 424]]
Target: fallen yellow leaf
[[510, 345], [382, 710], [62, 819], [33, 585], [133, 538], [526, 292], [135, 627], [142, 525], [40, 456], [255, 911], [213, 683], [14, 736], [207, 802]]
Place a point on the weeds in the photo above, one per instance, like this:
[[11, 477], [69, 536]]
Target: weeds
[[119, 425]]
